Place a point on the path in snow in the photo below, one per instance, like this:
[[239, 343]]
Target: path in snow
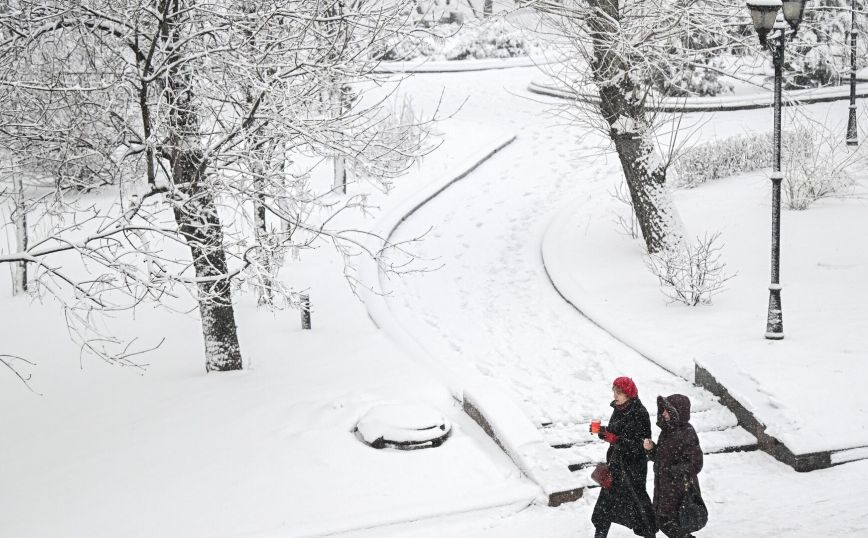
[[491, 306]]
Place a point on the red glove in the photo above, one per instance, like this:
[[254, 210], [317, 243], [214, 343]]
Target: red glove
[[610, 438]]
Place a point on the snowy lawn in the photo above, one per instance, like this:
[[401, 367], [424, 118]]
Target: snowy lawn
[[268, 451], [806, 388]]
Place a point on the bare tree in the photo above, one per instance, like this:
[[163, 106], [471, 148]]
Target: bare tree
[[616, 50], [189, 111]]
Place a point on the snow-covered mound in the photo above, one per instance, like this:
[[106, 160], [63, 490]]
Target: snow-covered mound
[[403, 425]]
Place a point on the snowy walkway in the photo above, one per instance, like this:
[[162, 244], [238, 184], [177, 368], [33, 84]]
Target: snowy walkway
[[491, 306]]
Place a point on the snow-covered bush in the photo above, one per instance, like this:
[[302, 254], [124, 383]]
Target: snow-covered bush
[[729, 157], [491, 38], [815, 166], [691, 274], [675, 81]]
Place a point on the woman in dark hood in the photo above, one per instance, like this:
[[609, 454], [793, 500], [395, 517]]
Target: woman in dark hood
[[677, 460], [626, 502]]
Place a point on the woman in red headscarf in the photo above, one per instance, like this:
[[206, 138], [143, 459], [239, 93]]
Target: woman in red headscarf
[[626, 501]]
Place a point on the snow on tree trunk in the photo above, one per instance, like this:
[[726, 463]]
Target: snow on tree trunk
[[629, 129], [652, 203], [19, 279], [200, 226], [265, 293], [195, 209], [340, 99]]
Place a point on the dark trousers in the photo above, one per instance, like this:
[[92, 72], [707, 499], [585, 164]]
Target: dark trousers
[[603, 530], [670, 528]]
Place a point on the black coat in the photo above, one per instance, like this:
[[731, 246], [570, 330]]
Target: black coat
[[677, 456], [627, 502]]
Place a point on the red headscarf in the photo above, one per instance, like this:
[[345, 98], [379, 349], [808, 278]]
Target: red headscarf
[[626, 385]]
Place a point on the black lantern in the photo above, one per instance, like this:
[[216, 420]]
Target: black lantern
[[764, 13], [793, 12]]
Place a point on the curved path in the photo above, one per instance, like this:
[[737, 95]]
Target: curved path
[[491, 307], [718, 103]]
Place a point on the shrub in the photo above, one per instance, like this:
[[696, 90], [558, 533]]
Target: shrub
[[815, 167], [690, 274]]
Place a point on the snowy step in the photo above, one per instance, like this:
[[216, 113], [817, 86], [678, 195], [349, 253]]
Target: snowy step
[[561, 435], [735, 439]]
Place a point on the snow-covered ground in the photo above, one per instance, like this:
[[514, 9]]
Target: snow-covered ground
[[804, 388], [746, 494], [270, 451], [491, 309]]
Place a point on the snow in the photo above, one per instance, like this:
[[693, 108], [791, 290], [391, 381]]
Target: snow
[[270, 451], [746, 493], [403, 423], [852, 454], [764, 3], [524, 443], [789, 384], [747, 97], [425, 65]]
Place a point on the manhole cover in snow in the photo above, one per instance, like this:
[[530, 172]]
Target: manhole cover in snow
[[403, 426]]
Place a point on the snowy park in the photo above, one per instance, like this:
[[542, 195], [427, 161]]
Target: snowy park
[[303, 269]]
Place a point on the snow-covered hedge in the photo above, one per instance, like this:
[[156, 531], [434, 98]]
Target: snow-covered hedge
[[815, 163], [729, 157]]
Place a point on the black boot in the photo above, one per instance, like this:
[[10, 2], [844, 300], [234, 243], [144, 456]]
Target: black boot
[[601, 532]]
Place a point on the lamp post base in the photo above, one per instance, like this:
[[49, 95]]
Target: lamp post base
[[775, 323], [852, 133]]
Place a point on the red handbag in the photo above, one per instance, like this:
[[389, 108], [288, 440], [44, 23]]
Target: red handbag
[[602, 475]]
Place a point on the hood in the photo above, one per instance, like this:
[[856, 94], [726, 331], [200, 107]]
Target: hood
[[678, 406]]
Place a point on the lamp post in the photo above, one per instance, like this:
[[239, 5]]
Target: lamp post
[[764, 13], [852, 135]]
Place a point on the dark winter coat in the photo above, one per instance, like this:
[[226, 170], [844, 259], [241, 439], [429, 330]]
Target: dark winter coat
[[677, 456], [627, 502]]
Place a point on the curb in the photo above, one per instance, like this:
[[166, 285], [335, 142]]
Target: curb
[[428, 66], [800, 462], [595, 320], [712, 104]]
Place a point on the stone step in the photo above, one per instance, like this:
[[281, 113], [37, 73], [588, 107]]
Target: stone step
[[561, 435], [734, 439]]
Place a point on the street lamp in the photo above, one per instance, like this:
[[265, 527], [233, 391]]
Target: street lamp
[[764, 15], [851, 122]]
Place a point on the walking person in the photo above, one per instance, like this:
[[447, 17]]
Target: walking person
[[626, 501], [677, 459]]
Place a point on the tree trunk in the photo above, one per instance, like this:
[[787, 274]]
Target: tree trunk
[[652, 203], [194, 207], [19, 279], [340, 98], [200, 226], [265, 292], [623, 108]]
